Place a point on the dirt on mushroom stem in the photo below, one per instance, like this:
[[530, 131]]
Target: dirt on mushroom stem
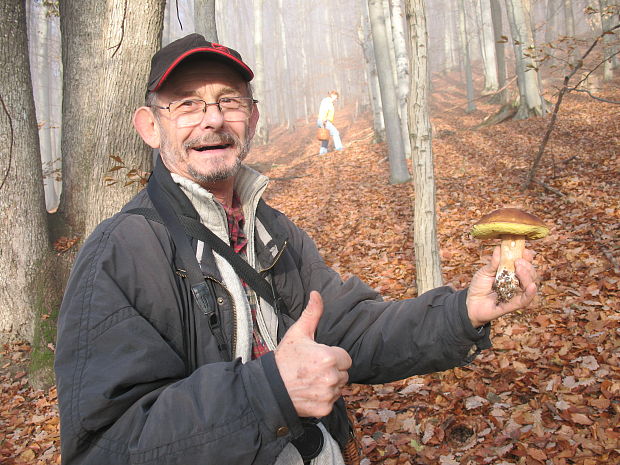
[[506, 283]]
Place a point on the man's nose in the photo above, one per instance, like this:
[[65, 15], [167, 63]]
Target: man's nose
[[212, 117]]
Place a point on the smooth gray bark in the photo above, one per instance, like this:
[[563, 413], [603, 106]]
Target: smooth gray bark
[[530, 100], [262, 131], [606, 24], [402, 70], [396, 152], [38, 36], [488, 48], [449, 44], [285, 96], [469, 80], [569, 19], [204, 19], [500, 55], [374, 90]]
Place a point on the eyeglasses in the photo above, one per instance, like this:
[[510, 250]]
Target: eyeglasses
[[187, 113]]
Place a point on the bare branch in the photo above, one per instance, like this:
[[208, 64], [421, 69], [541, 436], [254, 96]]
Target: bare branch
[[554, 115], [596, 67], [572, 89], [549, 188]]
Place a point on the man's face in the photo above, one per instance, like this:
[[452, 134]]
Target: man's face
[[212, 150]]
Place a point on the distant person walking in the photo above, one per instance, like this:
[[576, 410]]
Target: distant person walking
[[326, 120]]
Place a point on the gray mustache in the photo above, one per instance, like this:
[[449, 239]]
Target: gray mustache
[[212, 139]]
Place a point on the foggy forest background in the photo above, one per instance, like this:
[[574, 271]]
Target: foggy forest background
[[312, 47]]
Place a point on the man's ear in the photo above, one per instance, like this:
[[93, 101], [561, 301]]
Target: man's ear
[[253, 122], [147, 127]]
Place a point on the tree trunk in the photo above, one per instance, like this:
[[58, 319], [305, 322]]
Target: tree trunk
[[262, 131], [25, 253], [500, 56], [285, 96], [365, 38], [402, 71], [204, 19], [608, 69], [326, 45], [387, 16], [491, 84], [106, 56], [396, 152], [449, 41], [38, 38], [304, 83], [527, 70], [569, 19], [471, 106], [551, 26], [427, 258]]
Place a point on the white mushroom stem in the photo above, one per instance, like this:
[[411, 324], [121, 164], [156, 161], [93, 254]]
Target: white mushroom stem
[[511, 248], [506, 282]]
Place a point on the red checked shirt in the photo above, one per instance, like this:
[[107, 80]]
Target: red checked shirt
[[239, 242]]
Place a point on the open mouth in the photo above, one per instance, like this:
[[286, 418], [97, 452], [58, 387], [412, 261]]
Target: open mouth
[[205, 148]]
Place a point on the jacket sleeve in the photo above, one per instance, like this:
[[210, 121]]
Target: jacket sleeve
[[124, 394], [387, 340]]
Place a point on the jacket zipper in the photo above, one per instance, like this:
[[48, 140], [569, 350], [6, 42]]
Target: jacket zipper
[[276, 258], [233, 344]]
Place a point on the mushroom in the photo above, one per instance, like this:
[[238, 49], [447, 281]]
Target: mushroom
[[512, 226]]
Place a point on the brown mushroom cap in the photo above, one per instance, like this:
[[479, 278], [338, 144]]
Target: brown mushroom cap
[[509, 221]]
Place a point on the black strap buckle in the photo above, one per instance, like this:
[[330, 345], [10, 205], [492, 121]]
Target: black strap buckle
[[310, 443]]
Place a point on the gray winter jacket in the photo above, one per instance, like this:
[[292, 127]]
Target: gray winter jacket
[[130, 391]]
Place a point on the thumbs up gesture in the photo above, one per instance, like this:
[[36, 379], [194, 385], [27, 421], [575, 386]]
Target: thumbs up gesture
[[314, 374]]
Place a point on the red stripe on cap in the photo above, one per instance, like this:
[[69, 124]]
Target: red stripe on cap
[[201, 49]]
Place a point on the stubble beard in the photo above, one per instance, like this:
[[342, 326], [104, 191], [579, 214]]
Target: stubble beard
[[219, 169]]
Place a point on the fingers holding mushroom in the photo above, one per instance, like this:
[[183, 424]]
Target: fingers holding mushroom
[[513, 226]]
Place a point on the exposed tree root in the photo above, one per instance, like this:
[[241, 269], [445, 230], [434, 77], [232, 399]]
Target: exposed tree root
[[507, 111]]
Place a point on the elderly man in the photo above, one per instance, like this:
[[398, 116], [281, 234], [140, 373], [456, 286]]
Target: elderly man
[[200, 326]]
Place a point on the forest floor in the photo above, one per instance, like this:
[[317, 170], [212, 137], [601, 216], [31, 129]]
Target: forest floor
[[548, 392]]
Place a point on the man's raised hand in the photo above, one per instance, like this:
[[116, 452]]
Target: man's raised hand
[[314, 374]]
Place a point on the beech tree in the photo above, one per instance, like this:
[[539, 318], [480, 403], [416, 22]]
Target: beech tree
[[107, 48], [487, 45], [262, 130], [606, 15], [365, 39], [42, 45], [426, 245], [26, 258], [500, 56], [284, 72], [402, 70], [469, 80], [204, 19], [396, 152], [106, 57], [530, 100]]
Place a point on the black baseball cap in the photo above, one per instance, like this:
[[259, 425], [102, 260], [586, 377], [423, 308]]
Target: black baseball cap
[[169, 57]]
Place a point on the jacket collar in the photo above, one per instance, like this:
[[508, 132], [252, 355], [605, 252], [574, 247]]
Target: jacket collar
[[172, 190], [249, 185]]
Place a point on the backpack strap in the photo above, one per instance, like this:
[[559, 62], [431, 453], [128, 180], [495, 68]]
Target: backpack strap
[[197, 230]]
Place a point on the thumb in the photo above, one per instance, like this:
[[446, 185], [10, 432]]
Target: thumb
[[309, 319]]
